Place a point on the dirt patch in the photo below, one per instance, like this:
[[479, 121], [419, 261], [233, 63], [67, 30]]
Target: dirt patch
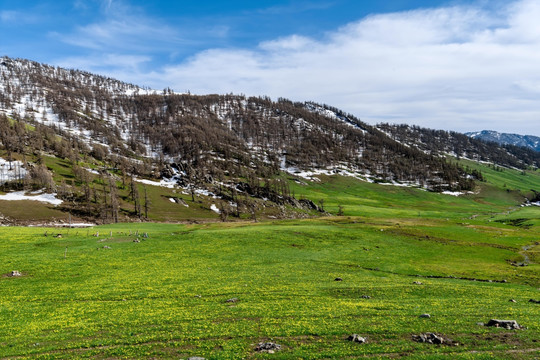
[[509, 338], [14, 274]]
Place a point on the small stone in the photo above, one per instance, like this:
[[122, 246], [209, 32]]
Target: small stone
[[417, 283], [338, 279], [480, 324], [232, 300], [366, 297], [268, 347], [196, 358], [427, 316], [15, 273], [357, 338], [512, 300], [107, 247], [198, 296]]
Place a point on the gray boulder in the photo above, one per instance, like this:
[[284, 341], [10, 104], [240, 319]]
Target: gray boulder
[[429, 338], [267, 347], [505, 324], [357, 338]]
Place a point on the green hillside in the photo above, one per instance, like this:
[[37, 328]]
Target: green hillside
[[166, 295]]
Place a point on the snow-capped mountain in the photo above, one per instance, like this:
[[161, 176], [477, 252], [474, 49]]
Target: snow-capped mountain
[[204, 140], [81, 134], [212, 135], [528, 141]]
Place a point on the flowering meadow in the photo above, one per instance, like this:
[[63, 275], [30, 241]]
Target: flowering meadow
[[216, 290]]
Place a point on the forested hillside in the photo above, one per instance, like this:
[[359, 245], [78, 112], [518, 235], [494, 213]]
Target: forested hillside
[[218, 144]]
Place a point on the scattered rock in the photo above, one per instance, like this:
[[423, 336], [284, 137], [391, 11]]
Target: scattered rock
[[366, 297], [136, 240], [232, 300], [427, 316], [338, 279], [58, 236], [430, 338], [480, 324], [107, 247], [268, 347], [506, 324], [357, 338], [534, 301], [15, 273], [196, 358], [198, 296], [417, 283], [512, 300]]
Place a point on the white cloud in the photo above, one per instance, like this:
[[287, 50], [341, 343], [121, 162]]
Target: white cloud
[[123, 28], [15, 18], [462, 68], [128, 33], [106, 62]]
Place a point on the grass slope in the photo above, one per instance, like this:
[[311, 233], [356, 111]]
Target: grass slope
[[108, 297]]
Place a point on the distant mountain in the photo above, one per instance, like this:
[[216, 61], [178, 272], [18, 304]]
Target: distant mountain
[[445, 143], [528, 141]]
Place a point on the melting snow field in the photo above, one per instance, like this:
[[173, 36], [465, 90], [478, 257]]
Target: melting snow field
[[20, 195], [10, 171], [171, 184]]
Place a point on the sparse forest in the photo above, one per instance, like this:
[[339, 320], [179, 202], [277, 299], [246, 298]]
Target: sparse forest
[[228, 144]]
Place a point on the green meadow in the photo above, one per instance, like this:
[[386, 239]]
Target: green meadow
[[216, 290]]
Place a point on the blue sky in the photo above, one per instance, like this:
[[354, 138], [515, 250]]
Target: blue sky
[[456, 65]]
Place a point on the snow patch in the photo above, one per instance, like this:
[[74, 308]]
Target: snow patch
[[20, 195], [11, 170], [456, 193], [167, 183], [214, 208]]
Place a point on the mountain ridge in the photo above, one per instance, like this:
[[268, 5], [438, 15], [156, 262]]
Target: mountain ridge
[[529, 141]]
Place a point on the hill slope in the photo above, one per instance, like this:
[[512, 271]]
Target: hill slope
[[90, 139]]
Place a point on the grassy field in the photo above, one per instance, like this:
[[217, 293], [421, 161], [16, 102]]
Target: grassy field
[[108, 297]]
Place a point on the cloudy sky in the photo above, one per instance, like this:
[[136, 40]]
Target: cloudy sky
[[454, 65]]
